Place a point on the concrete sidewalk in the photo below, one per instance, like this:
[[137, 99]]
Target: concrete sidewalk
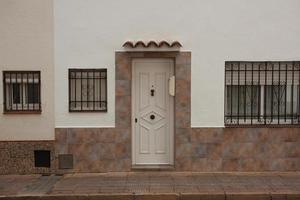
[[153, 185]]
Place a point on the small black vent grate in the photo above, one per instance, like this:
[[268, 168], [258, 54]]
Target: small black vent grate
[[65, 161], [42, 158]]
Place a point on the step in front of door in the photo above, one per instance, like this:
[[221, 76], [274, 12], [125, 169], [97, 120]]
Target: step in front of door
[[153, 167]]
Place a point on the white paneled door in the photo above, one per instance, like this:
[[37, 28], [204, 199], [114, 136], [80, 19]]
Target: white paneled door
[[153, 112]]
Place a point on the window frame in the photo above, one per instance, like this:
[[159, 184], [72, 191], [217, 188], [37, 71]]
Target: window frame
[[19, 108], [262, 119], [87, 70]]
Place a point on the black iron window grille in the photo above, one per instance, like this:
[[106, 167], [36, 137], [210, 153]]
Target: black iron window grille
[[87, 90], [262, 93], [22, 91]]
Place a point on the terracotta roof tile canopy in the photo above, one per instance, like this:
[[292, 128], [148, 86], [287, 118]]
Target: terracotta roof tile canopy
[[175, 45]]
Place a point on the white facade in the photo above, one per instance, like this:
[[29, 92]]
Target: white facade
[[26, 43], [86, 34]]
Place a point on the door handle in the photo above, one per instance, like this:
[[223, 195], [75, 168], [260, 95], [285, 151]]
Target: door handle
[[152, 117]]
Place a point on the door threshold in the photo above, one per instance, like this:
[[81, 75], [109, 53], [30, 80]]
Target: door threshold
[[153, 167]]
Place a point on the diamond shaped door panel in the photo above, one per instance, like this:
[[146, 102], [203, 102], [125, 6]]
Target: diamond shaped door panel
[[153, 110], [152, 117]]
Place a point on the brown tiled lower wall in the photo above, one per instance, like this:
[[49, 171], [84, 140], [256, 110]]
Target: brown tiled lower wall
[[18, 157], [196, 149], [95, 150], [238, 149]]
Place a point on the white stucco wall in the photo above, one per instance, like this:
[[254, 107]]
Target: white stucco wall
[[26, 43], [88, 32]]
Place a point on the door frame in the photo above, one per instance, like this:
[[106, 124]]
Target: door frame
[[182, 103], [172, 114]]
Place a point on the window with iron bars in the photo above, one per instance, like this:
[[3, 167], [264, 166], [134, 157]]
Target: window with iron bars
[[87, 90], [265, 93], [22, 91]]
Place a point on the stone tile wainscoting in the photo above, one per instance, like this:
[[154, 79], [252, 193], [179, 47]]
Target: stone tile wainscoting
[[238, 149], [196, 149], [18, 157], [95, 149]]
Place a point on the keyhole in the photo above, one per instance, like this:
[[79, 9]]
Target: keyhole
[[152, 92]]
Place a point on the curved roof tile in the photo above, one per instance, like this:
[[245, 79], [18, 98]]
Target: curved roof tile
[[140, 43], [152, 42], [176, 43], [128, 44], [164, 43]]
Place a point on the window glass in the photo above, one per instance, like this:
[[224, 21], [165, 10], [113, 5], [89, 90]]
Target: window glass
[[244, 100], [16, 93], [32, 93]]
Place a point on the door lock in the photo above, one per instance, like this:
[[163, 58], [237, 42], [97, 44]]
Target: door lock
[[152, 92]]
